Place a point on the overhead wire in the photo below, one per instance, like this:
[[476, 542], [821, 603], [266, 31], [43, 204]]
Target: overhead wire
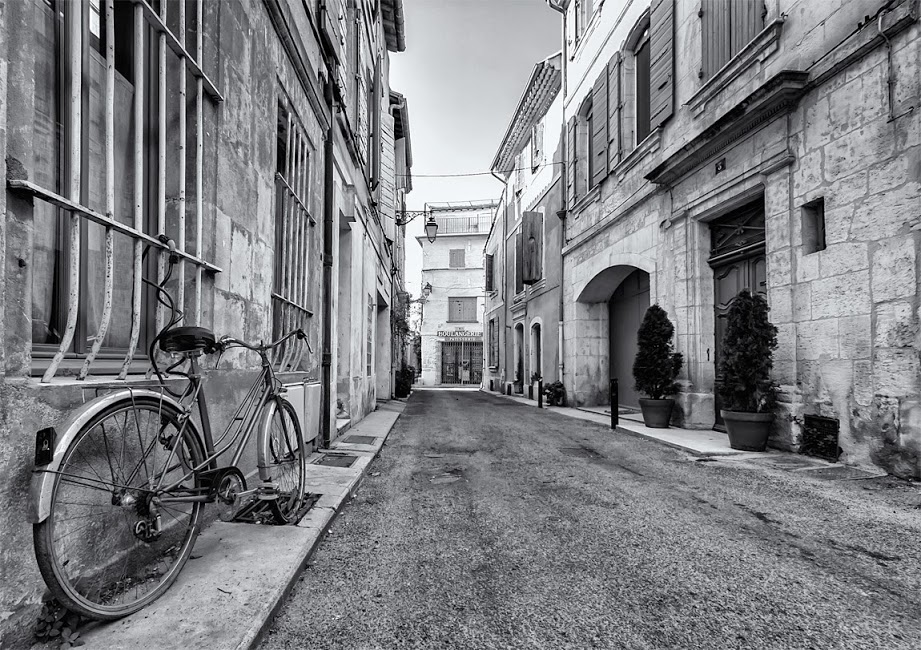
[[461, 175]]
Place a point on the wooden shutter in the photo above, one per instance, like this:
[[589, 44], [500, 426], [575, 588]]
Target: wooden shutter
[[600, 127], [661, 62], [456, 258], [363, 131], [489, 273], [333, 17], [614, 112], [571, 153], [531, 227], [746, 18], [714, 35], [519, 285], [375, 109], [387, 187]]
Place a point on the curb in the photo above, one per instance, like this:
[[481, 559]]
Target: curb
[[264, 625]]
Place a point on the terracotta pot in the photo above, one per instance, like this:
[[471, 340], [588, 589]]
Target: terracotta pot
[[657, 413], [748, 431]]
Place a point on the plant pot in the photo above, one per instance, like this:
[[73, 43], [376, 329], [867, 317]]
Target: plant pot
[[657, 413], [748, 431]]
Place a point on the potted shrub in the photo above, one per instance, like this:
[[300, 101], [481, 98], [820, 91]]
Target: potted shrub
[[555, 394], [746, 358], [655, 368]]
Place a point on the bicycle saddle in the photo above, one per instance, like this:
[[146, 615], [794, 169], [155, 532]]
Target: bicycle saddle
[[187, 339]]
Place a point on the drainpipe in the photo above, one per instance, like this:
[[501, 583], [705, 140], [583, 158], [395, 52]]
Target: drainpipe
[[557, 6], [328, 196]]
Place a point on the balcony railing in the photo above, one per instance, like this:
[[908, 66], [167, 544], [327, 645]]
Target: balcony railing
[[456, 225]]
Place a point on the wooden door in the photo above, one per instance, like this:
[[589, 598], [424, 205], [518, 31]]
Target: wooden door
[[626, 309]]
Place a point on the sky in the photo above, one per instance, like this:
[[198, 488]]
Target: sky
[[464, 69]]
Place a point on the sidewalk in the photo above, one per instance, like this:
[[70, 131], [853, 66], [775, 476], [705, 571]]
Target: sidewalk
[[695, 441], [240, 574]]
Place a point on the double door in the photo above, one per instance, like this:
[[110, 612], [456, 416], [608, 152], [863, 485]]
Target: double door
[[461, 362]]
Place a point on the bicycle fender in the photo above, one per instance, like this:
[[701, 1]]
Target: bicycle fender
[[43, 477]]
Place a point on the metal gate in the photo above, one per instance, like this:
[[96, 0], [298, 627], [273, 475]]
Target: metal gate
[[461, 362]]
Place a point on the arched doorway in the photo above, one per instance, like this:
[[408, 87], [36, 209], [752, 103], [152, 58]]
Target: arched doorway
[[519, 358], [626, 308]]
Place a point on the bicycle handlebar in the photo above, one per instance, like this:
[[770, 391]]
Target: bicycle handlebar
[[226, 342]]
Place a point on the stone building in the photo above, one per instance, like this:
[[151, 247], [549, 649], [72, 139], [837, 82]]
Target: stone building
[[523, 262], [256, 136], [453, 274], [772, 145]]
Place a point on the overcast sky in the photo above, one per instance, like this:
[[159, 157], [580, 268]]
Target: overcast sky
[[463, 72]]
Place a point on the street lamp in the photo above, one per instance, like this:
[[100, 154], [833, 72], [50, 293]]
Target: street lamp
[[431, 226], [431, 229]]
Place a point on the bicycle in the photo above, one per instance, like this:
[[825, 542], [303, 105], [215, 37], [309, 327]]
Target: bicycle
[[119, 503]]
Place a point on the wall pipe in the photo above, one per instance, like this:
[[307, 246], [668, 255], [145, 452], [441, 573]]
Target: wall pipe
[[327, 325], [556, 5]]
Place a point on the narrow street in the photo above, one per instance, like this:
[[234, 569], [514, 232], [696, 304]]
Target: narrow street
[[486, 523]]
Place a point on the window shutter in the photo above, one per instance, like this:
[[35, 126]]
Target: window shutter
[[600, 126], [519, 285], [747, 19], [571, 163], [489, 273], [661, 62], [375, 108], [387, 187], [531, 223], [714, 35], [456, 258], [614, 109], [333, 19]]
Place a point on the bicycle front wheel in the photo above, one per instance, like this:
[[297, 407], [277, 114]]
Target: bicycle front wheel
[[283, 454], [114, 540]]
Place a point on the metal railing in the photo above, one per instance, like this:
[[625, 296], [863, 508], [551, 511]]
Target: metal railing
[[478, 223], [145, 18]]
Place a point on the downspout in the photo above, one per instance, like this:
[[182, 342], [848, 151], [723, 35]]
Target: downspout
[[328, 197], [553, 4]]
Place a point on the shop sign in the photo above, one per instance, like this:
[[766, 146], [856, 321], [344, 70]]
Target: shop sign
[[459, 334]]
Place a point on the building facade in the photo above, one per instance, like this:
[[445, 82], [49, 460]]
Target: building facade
[[230, 129], [523, 262], [452, 314], [774, 146]]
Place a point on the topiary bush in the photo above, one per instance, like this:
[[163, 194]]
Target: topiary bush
[[555, 394], [747, 356], [657, 364]]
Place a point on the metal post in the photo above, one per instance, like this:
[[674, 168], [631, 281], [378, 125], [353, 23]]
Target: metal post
[[615, 415], [540, 393]]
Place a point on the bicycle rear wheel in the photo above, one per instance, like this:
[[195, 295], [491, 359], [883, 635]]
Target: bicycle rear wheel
[[284, 455], [98, 550]]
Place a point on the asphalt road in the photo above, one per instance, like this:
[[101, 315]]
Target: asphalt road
[[490, 524]]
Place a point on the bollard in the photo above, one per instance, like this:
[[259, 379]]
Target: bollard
[[615, 415], [540, 393]]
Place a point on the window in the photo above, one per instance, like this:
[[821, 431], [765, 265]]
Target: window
[[813, 217], [294, 227], [490, 273], [115, 175], [532, 227], [583, 15], [493, 332], [642, 87], [519, 262], [51, 267], [727, 27], [456, 258], [585, 150], [462, 310], [537, 146]]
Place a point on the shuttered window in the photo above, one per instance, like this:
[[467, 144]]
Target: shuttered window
[[532, 225], [462, 310], [456, 258], [614, 111], [641, 68], [598, 130], [727, 26], [661, 62], [490, 273], [537, 146], [519, 285], [571, 192]]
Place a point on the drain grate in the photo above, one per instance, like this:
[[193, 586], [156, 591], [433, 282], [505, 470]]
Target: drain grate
[[338, 460], [360, 440]]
